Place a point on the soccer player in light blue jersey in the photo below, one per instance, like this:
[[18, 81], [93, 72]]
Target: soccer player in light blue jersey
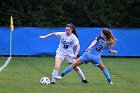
[[105, 41]]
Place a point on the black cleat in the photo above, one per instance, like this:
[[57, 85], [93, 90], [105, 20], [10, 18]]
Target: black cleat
[[53, 83], [85, 81]]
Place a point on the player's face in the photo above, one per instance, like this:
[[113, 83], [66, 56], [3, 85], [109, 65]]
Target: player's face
[[102, 34], [68, 31]]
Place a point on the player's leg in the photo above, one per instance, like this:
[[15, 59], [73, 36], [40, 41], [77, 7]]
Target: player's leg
[[58, 62], [81, 74], [106, 73], [77, 69], [69, 68], [82, 59]]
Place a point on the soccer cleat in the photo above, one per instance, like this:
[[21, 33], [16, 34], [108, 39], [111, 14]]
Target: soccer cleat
[[85, 81], [53, 83], [110, 83], [58, 77]]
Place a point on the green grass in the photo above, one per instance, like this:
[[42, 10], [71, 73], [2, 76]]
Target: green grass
[[22, 75]]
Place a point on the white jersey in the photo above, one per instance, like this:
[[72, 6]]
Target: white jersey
[[67, 43]]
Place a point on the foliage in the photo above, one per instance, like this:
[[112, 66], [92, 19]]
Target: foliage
[[57, 13]]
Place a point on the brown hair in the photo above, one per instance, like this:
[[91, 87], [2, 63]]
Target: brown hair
[[73, 29], [109, 36]]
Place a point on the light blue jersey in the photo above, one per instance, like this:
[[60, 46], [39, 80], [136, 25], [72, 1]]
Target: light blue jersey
[[100, 46], [94, 54]]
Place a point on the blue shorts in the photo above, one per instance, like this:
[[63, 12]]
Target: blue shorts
[[88, 57]]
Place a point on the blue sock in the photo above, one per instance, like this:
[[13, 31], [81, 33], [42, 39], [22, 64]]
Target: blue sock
[[67, 70], [107, 75]]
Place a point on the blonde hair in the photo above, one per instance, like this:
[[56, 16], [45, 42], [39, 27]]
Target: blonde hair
[[109, 36]]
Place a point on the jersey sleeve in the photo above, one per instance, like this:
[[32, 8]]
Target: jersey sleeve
[[59, 34], [97, 38], [108, 48], [76, 41]]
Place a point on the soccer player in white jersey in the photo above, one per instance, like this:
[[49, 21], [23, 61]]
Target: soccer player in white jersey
[[68, 40]]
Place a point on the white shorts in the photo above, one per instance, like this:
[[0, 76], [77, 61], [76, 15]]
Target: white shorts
[[65, 56]]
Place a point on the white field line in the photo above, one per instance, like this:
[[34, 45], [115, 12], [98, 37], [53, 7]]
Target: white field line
[[6, 63]]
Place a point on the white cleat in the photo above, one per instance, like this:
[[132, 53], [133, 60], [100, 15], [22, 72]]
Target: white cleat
[[111, 83], [58, 77]]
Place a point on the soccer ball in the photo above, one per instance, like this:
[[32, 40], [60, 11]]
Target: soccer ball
[[44, 81]]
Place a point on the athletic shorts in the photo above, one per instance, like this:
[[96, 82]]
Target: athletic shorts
[[65, 56], [88, 57]]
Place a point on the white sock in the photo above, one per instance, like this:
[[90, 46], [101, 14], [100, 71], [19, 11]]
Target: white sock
[[54, 73], [80, 73]]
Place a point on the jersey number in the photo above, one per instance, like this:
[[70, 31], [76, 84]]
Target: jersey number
[[65, 45], [99, 48]]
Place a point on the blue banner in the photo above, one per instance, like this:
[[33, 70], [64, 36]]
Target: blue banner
[[25, 40]]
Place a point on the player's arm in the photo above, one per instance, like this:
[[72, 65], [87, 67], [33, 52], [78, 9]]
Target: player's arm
[[112, 51], [92, 44], [77, 50], [48, 35], [77, 44]]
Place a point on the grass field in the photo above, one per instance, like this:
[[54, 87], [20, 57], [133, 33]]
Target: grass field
[[22, 75]]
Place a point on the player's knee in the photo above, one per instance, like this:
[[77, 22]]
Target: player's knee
[[74, 65], [76, 68], [102, 66]]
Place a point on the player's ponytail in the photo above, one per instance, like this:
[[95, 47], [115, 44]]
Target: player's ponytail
[[109, 36], [73, 29]]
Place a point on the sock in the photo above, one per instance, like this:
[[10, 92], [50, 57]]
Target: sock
[[54, 73], [107, 75], [80, 73], [67, 70]]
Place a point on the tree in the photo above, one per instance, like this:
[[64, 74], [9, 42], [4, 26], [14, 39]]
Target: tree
[[57, 13]]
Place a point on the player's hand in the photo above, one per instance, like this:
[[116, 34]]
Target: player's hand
[[87, 49], [74, 56], [113, 52], [42, 37]]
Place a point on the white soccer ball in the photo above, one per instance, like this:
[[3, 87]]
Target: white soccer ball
[[44, 81]]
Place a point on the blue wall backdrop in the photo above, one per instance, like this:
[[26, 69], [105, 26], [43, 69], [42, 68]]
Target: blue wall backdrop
[[26, 40]]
